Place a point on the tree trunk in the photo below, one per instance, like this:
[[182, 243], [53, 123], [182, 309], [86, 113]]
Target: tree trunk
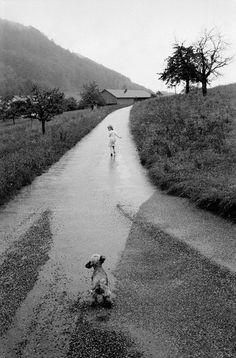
[[13, 120], [187, 87], [43, 126], [204, 87]]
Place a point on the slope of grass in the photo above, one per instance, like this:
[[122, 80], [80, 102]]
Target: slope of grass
[[25, 153], [188, 144]]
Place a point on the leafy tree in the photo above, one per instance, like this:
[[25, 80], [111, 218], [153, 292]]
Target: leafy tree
[[45, 104], [16, 109], [70, 104], [4, 105], [12, 108], [180, 67], [90, 96], [209, 57]]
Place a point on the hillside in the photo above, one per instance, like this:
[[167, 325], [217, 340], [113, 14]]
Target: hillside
[[27, 55], [188, 145]]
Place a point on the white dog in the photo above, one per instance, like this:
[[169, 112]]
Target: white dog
[[100, 291]]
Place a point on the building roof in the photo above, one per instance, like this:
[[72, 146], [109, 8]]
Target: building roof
[[128, 93]]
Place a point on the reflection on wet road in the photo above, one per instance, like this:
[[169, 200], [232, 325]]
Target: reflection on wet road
[[83, 192], [87, 200]]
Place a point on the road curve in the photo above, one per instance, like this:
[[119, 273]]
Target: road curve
[[80, 204], [87, 203]]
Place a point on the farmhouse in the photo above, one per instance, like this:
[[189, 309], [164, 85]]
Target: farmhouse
[[125, 97]]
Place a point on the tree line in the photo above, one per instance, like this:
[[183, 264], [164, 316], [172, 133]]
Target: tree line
[[44, 104], [198, 63]]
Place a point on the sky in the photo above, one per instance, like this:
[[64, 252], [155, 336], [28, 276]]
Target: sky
[[133, 37]]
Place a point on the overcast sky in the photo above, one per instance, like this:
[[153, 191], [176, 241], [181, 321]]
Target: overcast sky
[[132, 37]]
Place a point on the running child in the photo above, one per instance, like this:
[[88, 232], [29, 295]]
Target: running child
[[112, 140]]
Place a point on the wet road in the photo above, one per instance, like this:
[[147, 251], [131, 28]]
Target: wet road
[[84, 196], [85, 204]]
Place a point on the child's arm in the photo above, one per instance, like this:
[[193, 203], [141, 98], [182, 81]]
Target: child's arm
[[117, 135]]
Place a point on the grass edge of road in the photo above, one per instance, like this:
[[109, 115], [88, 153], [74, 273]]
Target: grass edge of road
[[187, 144]]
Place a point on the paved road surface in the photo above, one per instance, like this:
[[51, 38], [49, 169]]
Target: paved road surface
[[87, 203], [78, 204]]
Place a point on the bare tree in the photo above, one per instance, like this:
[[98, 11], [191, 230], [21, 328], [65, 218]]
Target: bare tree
[[209, 57]]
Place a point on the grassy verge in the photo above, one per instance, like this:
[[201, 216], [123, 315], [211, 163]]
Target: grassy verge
[[188, 144], [25, 153]]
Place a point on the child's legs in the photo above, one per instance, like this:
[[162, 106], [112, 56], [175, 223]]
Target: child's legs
[[112, 146]]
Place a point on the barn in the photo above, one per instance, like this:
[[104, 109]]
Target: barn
[[124, 97]]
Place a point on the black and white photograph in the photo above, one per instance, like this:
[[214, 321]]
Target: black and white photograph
[[117, 178]]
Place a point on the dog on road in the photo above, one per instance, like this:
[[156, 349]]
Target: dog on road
[[100, 291]]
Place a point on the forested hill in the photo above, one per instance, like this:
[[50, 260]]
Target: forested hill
[[27, 55]]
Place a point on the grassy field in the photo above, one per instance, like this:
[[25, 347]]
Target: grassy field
[[26, 153], [188, 144]]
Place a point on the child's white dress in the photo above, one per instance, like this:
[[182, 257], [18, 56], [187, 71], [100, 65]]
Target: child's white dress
[[112, 138]]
